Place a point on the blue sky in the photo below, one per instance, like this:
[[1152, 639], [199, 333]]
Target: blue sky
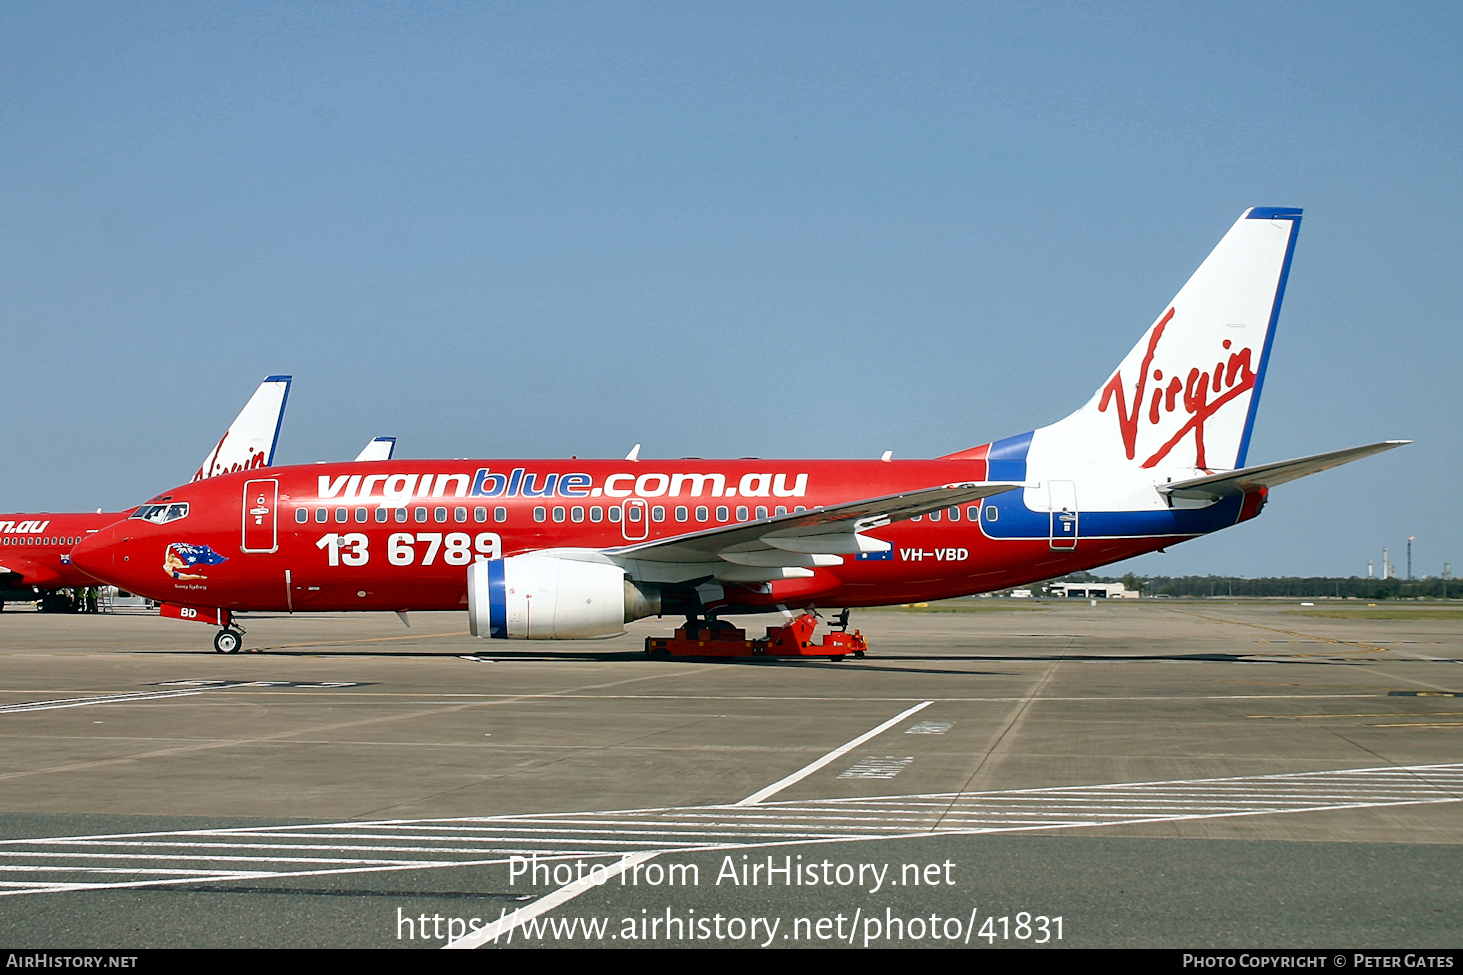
[[781, 230]]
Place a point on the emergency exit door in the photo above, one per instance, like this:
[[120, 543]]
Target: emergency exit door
[[261, 521]]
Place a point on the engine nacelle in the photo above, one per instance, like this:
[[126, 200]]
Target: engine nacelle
[[537, 597]]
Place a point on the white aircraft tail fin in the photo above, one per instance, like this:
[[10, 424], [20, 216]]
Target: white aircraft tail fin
[[250, 440], [379, 449], [1185, 397]]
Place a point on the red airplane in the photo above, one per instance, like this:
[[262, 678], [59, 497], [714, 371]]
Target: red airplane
[[574, 549], [35, 549]]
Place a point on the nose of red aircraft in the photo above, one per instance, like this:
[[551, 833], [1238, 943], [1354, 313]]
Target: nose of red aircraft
[[96, 554]]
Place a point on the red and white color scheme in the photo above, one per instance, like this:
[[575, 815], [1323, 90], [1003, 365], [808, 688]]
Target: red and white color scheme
[[573, 549], [250, 440], [35, 549]]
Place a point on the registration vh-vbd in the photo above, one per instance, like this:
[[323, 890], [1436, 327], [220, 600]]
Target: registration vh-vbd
[[574, 549]]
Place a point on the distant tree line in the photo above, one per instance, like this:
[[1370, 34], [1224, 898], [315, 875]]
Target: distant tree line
[[1289, 586]]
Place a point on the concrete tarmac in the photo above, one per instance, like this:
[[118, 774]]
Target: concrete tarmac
[[1186, 773]]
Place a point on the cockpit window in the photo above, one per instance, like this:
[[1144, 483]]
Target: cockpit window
[[161, 514]]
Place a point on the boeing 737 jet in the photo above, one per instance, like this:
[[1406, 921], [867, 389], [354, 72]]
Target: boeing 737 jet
[[574, 549]]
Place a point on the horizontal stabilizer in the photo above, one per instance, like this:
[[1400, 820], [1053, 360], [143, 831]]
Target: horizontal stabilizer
[[1216, 486]]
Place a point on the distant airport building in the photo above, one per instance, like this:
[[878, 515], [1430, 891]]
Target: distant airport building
[[1091, 590]]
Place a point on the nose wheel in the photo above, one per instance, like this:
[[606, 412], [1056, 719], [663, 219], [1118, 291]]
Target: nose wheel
[[227, 641]]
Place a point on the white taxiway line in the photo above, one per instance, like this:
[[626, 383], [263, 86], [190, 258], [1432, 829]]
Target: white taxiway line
[[81, 702], [505, 925], [568, 892], [807, 770], [211, 856]]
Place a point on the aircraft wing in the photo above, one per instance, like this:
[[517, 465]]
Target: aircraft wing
[[788, 546], [30, 573], [379, 449], [250, 440], [1216, 486]]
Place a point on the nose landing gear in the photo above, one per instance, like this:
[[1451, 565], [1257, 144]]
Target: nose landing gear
[[228, 640]]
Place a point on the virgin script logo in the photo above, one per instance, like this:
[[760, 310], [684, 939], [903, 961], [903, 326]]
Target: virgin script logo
[[212, 468], [1230, 378]]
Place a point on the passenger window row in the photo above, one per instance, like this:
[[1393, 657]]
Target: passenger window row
[[576, 514], [657, 513], [972, 513], [400, 515]]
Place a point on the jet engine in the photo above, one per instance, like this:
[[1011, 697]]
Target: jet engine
[[539, 597]]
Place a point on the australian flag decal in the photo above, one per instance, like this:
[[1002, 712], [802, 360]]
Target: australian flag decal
[[182, 557]]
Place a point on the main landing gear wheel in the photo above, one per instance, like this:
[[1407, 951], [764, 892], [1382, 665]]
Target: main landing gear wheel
[[227, 641]]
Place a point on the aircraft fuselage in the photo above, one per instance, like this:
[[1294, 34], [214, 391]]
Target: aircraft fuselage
[[399, 536]]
